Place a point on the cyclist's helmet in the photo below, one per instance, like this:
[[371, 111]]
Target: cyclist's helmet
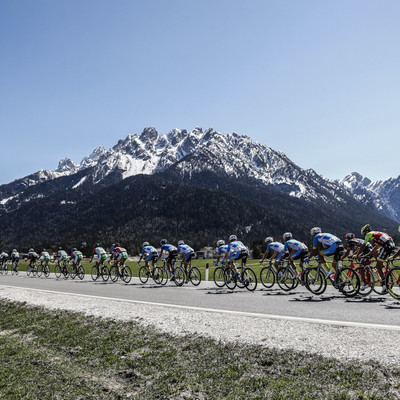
[[31, 250], [97, 245], [74, 249], [350, 236], [315, 230], [287, 236], [365, 229], [14, 251], [145, 244], [220, 242], [232, 238], [269, 239], [60, 248], [163, 241], [181, 242], [116, 245]]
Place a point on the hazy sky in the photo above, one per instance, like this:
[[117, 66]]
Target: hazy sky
[[318, 80]]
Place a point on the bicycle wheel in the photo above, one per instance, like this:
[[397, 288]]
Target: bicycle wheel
[[57, 271], [179, 275], [366, 280], [158, 276], [348, 282], [393, 282], [126, 274], [95, 273], [105, 273], [377, 288], [195, 276], [285, 279], [114, 274], [230, 281], [267, 276], [144, 274], [81, 272], [28, 270], [239, 282], [39, 271], [315, 280], [249, 278], [219, 276], [34, 270], [73, 272]]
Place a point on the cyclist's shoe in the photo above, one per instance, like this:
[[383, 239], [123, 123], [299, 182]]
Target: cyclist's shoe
[[172, 279], [235, 275]]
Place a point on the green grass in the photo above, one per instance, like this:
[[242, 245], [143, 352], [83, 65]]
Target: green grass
[[63, 355]]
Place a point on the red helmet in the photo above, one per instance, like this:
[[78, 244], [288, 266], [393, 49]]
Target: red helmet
[[350, 236]]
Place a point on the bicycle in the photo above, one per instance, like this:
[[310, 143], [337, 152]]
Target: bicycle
[[288, 278], [14, 267], [219, 275], [244, 278], [268, 275], [76, 271], [100, 269], [44, 268], [32, 268], [347, 281], [4, 267], [163, 274], [62, 269], [366, 274], [120, 271], [193, 274], [145, 274], [393, 281]]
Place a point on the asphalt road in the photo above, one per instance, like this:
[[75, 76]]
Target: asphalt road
[[331, 306]]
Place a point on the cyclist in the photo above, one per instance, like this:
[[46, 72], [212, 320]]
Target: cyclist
[[383, 248], [326, 244], [187, 252], [297, 250], [76, 257], [44, 257], [3, 258], [236, 251], [14, 257], [353, 245], [278, 250], [120, 254], [101, 254], [33, 257], [61, 255], [172, 252], [149, 253], [222, 249]]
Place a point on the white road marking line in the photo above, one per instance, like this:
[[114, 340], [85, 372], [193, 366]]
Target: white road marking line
[[349, 324]]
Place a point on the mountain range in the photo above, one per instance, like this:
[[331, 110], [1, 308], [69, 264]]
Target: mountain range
[[199, 185]]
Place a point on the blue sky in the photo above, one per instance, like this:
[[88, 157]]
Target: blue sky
[[318, 80]]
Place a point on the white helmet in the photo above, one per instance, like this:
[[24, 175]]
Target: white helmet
[[145, 244], [220, 242], [315, 230], [287, 236], [269, 239], [181, 242], [232, 238]]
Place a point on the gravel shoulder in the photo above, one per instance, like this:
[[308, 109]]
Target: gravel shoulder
[[341, 342]]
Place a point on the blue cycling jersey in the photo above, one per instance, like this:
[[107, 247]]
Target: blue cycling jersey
[[325, 239], [275, 246], [185, 249], [168, 248], [149, 249], [294, 245], [222, 249], [236, 246]]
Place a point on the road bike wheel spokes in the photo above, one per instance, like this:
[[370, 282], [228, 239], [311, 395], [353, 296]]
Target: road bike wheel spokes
[[230, 281], [39, 271], [239, 280], [315, 280], [219, 277], [73, 272], [81, 272], [393, 282], [126, 274], [195, 276], [366, 280], [267, 276], [57, 271], [160, 276], [95, 273], [249, 278], [144, 274], [114, 273], [179, 276], [285, 279], [348, 282], [105, 273]]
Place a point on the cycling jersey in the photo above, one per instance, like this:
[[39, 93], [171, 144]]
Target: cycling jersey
[[3, 256], [276, 247], [325, 240], [171, 250], [187, 251], [45, 256], [222, 250], [150, 252], [62, 255], [33, 255], [15, 255], [379, 238], [101, 254], [355, 243], [77, 256], [297, 249], [237, 250], [121, 253]]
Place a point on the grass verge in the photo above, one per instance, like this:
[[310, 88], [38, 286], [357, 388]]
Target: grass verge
[[63, 355]]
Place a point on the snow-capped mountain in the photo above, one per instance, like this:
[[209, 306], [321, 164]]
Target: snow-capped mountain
[[184, 154], [384, 195]]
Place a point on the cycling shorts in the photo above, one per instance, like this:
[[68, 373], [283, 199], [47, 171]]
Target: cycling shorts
[[152, 256], [386, 251], [189, 256], [242, 254], [45, 258], [102, 257], [172, 256], [123, 256], [299, 254], [77, 258], [335, 250]]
